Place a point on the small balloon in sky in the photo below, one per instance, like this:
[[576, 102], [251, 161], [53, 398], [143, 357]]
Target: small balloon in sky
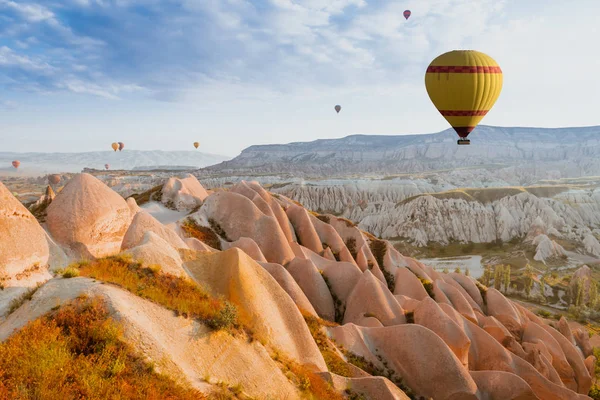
[[338, 108], [407, 13]]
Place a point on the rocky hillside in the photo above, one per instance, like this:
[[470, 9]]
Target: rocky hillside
[[547, 153], [249, 295]]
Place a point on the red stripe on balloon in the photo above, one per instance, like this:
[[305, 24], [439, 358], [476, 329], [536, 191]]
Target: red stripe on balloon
[[464, 69], [463, 131], [463, 113]]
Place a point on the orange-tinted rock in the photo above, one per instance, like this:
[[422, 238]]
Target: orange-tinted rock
[[328, 235], [500, 307], [540, 358], [277, 210], [262, 304], [239, 217], [88, 217], [314, 287], [144, 222], [590, 364], [22, 240], [183, 193], [563, 327], [448, 279], [427, 365], [248, 246], [407, 284], [342, 277], [534, 333], [430, 315], [408, 304], [370, 387], [467, 283], [486, 354], [583, 342], [287, 282], [373, 297], [582, 376], [499, 385], [457, 299], [305, 231]]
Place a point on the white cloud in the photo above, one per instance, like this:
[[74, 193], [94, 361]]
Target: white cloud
[[32, 12]]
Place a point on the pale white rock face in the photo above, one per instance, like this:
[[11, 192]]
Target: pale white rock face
[[591, 245], [183, 193], [547, 248]]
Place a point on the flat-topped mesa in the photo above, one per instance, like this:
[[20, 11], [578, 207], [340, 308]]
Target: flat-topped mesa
[[88, 217]]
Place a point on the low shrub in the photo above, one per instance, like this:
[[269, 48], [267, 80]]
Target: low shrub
[[76, 352], [19, 301], [174, 293], [323, 218], [202, 233]]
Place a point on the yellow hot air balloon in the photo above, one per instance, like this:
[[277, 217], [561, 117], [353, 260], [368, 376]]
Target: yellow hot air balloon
[[196, 144], [463, 85], [115, 146]]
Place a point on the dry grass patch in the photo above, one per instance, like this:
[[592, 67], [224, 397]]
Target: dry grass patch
[[154, 194], [174, 293], [335, 363], [75, 353], [202, 233]]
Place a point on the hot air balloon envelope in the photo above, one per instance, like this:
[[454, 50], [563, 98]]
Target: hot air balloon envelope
[[338, 108], [53, 179], [106, 166], [196, 144], [463, 85], [16, 163], [407, 14], [115, 146], [121, 146]]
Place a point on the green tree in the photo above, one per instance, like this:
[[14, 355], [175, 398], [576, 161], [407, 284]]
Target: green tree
[[498, 277], [445, 270], [506, 278], [593, 294], [528, 280], [579, 293], [467, 273], [457, 270]]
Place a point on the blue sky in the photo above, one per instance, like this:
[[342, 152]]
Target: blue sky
[[76, 75]]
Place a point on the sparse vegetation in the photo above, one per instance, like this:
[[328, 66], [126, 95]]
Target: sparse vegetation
[[69, 272], [339, 307], [19, 301], [410, 317], [323, 218], [351, 246], [202, 233], [214, 225], [178, 294], [154, 194], [334, 362], [428, 285], [77, 352], [390, 279]]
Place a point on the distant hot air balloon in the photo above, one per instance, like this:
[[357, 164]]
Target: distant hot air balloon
[[115, 146], [338, 108], [121, 145], [53, 179], [16, 163], [463, 85], [196, 144], [407, 13], [106, 166]]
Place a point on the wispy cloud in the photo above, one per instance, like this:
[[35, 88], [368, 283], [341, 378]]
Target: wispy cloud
[[168, 49]]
